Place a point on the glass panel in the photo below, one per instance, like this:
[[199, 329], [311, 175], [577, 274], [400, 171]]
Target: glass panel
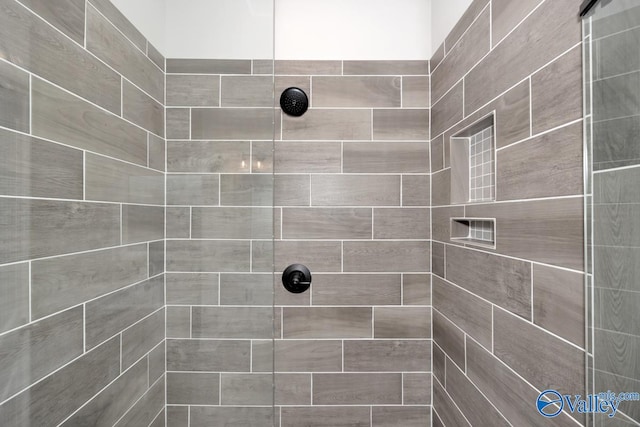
[[136, 213], [612, 128]]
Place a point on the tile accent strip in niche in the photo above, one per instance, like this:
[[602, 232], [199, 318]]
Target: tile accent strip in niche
[[481, 160]]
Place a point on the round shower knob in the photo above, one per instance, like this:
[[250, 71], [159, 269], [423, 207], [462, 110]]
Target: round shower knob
[[296, 278]]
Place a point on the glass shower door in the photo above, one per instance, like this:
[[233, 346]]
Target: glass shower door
[[612, 76]]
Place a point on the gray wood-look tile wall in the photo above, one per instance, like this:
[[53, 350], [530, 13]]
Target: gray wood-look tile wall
[[497, 321], [82, 161], [352, 202]]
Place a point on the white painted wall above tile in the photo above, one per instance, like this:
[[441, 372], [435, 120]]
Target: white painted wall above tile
[[304, 29]]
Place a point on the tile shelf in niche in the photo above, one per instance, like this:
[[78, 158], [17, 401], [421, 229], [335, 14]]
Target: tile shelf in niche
[[474, 231]]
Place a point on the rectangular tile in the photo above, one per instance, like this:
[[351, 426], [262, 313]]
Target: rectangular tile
[[207, 256], [327, 322], [63, 282], [72, 385], [554, 100], [42, 50], [416, 190], [318, 256], [356, 289], [112, 402], [232, 223], [291, 190], [142, 110], [298, 67], [326, 416], [247, 91], [328, 124], [205, 416], [546, 166], [401, 223], [617, 350], [14, 98], [233, 123], [326, 223], [386, 67], [405, 124], [616, 186], [14, 296], [401, 322], [246, 289], [246, 389], [390, 416], [208, 355], [208, 66], [357, 389], [616, 305], [304, 156], [439, 362], [114, 181], [178, 123], [62, 117], [142, 337], [468, 312], [468, 50], [108, 44], [157, 149], [437, 258], [208, 156], [542, 359], [416, 388], [66, 15], [442, 402], [184, 90], [507, 15], [142, 223], [178, 416], [416, 91], [416, 289], [61, 227], [35, 168], [391, 157], [147, 408], [111, 314], [355, 190], [377, 256], [437, 57], [449, 338], [156, 258], [178, 222], [192, 288], [554, 29], [178, 322], [466, 20], [292, 389], [34, 351], [232, 322], [193, 388], [508, 392], [614, 224], [471, 401], [607, 93], [157, 363], [548, 231], [307, 356], [441, 221], [247, 190], [387, 356], [558, 302], [356, 92], [121, 22], [262, 66], [503, 281], [154, 54], [447, 111], [192, 189]]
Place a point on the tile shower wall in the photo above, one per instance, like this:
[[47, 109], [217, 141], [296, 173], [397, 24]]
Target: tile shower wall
[[82, 205], [509, 322], [352, 202], [616, 204]]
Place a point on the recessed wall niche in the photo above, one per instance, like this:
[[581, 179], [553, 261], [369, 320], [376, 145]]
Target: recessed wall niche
[[473, 163]]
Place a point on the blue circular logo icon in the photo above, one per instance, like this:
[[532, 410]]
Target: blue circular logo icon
[[550, 403]]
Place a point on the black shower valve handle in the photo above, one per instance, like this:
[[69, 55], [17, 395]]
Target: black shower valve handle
[[296, 278]]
